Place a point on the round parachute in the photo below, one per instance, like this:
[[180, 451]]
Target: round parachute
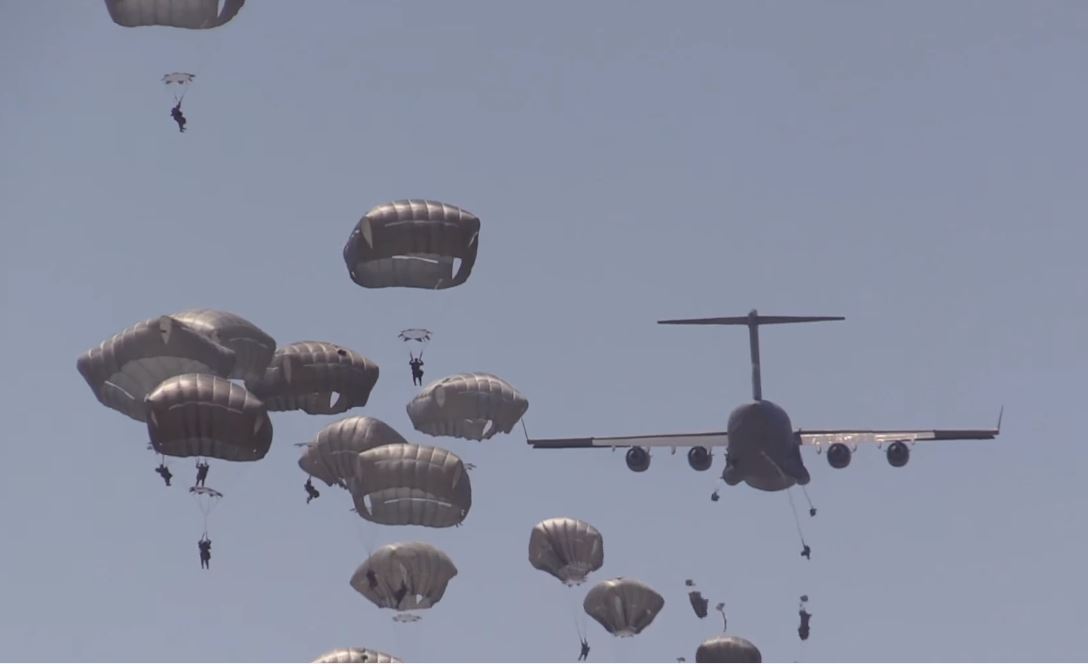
[[417, 339], [205, 491], [415, 334], [405, 485], [207, 416], [413, 244], [206, 500], [568, 549], [622, 606], [315, 377], [253, 348], [356, 656], [475, 406], [123, 369], [404, 577], [178, 83], [331, 456], [727, 649], [190, 14]]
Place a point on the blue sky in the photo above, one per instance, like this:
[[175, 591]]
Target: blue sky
[[916, 167]]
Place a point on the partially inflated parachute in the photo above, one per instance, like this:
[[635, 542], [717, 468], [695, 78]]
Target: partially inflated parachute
[[331, 456], [315, 377], [699, 604], [404, 577], [727, 649], [475, 406], [191, 14], [123, 369], [624, 607], [566, 548], [413, 244], [207, 416], [252, 346], [355, 656], [407, 484]]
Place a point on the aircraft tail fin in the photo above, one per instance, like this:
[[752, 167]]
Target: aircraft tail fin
[[752, 321]]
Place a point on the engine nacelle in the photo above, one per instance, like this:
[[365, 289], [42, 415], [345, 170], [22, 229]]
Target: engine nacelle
[[638, 459], [838, 455], [699, 458], [898, 454]]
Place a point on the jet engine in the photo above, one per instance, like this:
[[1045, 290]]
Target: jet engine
[[699, 458], [638, 459], [838, 455], [898, 454]]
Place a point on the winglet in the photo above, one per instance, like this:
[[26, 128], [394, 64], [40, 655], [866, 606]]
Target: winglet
[[1000, 414]]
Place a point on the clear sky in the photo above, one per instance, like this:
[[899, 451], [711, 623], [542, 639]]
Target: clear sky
[[916, 167]]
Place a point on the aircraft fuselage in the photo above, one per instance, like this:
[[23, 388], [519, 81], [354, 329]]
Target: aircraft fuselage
[[763, 451]]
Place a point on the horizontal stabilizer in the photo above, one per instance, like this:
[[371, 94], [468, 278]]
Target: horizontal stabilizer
[[749, 320]]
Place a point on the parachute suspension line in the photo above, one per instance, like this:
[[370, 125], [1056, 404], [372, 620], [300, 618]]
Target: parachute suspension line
[[811, 509], [576, 615], [796, 520], [367, 533]]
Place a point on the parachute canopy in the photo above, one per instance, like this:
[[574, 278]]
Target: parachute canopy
[[414, 334], [123, 369], [205, 491], [622, 606], [355, 656], [727, 649], [405, 484], [315, 377], [252, 346], [475, 406], [178, 78], [566, 548], [191, 14], [208, 416], [331, 456], [413, 244], [404, 576], [178, 83]]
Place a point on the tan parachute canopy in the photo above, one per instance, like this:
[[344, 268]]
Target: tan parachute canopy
[[316, 377], [412, 244], [407, 485], [475, 406], [404, 576], [191, 14], [252, 347], [727, 649], [209, 416], [566, 548], [622, 606], [355, 656], [124, 368], [331, 456]]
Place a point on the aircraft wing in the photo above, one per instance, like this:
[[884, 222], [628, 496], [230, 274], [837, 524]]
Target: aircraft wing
[[711, 439], [855, 437]]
